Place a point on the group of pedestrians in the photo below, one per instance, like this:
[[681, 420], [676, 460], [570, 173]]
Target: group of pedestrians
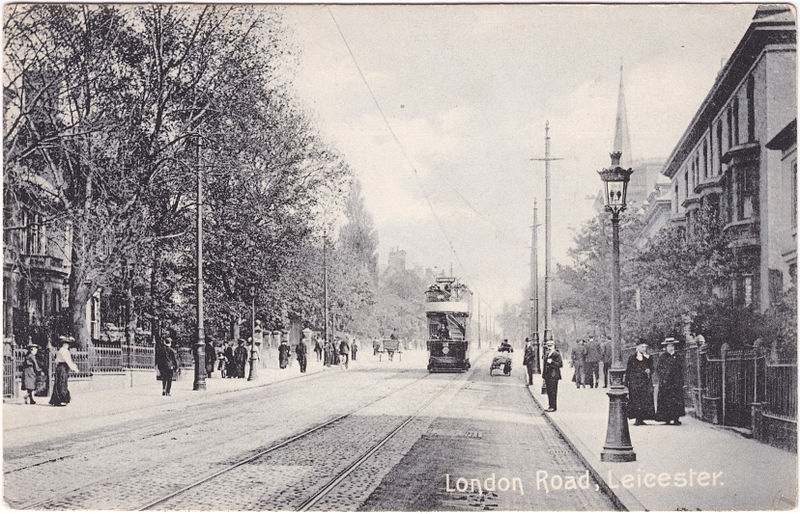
[[33, 375], [638, 380], [586, 358], [231, 361]]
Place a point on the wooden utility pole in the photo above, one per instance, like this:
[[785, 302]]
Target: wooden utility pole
[[535, 289], [479, 322], [325, 282], [548, 292]]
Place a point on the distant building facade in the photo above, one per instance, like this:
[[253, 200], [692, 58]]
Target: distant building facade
[[36, 269], [397, 260], [733, 158], [655, 212]]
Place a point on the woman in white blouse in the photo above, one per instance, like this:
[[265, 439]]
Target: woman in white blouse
[[64, 363]]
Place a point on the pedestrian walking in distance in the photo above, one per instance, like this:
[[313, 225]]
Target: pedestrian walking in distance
[[593, 356], [638, 380], [318, 348], [230, 362], [222, 361], [30, 371], [579, 362], [211, 358], [354, 348], [529, 359], [551, 373], [167, 364], [64, 364], [240, 358], [605, 353], [283, 354], [670, 385], [301, 351], [344, 351]]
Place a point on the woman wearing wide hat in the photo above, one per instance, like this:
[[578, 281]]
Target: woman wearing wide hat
[[638, 380], [30, 371], [670, 385], [64, 363]]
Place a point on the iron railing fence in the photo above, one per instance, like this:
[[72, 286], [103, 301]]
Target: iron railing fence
[[102, 358]]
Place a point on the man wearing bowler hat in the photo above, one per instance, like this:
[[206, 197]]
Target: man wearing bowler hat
[[551, 373]]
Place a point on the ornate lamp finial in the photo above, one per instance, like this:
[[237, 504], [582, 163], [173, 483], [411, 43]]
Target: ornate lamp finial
[[615, 157]]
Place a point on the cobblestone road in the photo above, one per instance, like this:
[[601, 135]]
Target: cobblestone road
[[470, 425], [127, 465], [489, 431]]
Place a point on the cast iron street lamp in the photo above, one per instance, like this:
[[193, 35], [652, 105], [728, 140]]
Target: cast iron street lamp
[[253, 374], [618, 446]]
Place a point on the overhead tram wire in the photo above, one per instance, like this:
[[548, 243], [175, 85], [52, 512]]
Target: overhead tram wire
[[397, 141]]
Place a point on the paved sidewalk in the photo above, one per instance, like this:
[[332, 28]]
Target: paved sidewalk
[[695, 466], [93, 410]]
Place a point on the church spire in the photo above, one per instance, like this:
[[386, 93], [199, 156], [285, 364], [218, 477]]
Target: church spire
[[622, 140]]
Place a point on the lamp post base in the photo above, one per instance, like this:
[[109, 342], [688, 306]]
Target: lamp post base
[[253, 373], [200, 362], [608, 455], [618, 447]]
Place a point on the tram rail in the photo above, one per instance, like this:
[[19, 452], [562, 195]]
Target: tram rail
[[42, 503], [341, 475]]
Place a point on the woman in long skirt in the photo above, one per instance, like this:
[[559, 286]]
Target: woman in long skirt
[[670, 385], [283, 354], [638, 380], [64, 363]]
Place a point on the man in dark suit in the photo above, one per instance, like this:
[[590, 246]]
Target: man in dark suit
[[552, 374], [592, 366], [605, 351]]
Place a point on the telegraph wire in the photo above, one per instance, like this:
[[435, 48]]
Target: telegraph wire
[[400, 145]]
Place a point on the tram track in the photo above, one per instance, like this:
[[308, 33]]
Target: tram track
[[338, 477], [93, 484], [147, 428]]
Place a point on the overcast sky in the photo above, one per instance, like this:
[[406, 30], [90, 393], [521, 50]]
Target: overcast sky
[[467, 90]]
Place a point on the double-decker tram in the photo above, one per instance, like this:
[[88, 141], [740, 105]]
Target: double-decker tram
[[448, 303]]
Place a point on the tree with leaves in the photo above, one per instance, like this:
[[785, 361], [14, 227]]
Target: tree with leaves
[[587, 278], [117, 108]]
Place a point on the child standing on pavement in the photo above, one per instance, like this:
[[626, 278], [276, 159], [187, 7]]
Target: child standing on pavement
[[30, 370]]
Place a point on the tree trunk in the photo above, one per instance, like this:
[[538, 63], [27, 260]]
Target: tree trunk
[[9, 305], [236, 322], [155, 320], [78, 297], [79, 292], [130, 306]]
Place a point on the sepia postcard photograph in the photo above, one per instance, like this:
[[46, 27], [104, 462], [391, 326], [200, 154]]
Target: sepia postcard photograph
[[399, 257]]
